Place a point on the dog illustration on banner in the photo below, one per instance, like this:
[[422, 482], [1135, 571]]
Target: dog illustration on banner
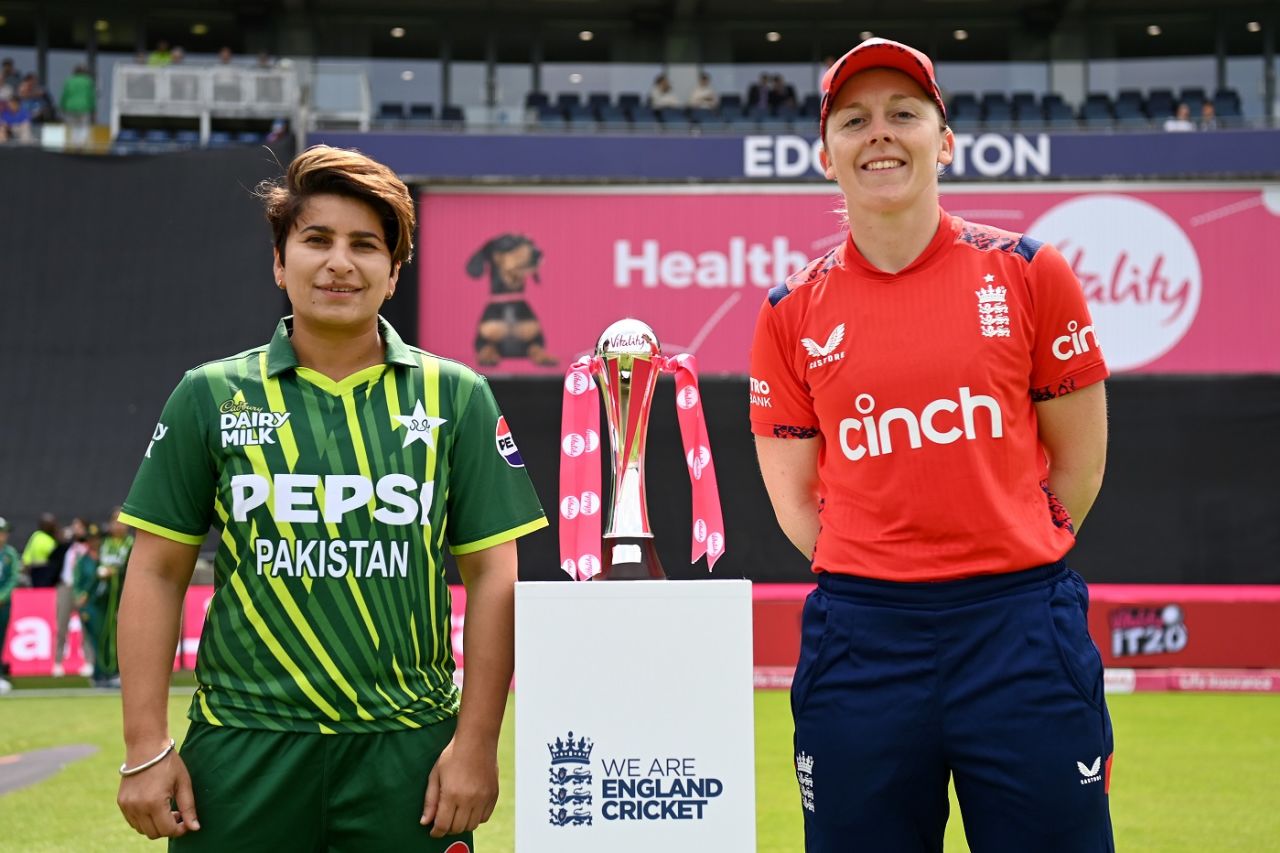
[[508, 327]]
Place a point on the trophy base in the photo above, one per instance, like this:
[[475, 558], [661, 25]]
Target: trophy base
[[630, 558]]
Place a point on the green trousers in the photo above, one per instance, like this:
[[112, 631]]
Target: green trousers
[[287, 792]]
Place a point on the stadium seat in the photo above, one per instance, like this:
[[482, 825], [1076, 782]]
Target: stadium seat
[[1097, 111], [643, 118], [550, 116], [187, 137], [452, 114], [811, 105], [612, 117], [388, 111], [249, 137], [628, 100], [157, 135], [596, 100], [533, 100], [581, 117], [1026, 111], [567, 100], [674, 120], [422, 112], [1226, 104], [730, 103], [965, 111], [1160, 104], [128, 134], [1193, 97], [1057, 113], [706, 118], [219, 138], [997, 113]]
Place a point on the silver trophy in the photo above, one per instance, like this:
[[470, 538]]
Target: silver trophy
[[627, 365]]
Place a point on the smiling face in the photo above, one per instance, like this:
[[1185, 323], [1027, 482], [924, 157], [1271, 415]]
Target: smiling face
[[336, 266], [884, 143]]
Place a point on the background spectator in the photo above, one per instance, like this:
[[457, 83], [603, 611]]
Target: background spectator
[[10, 571], [35, 100], [16, 120], [758, 93], [704, 97], [1180, 121], [782, 95], [224, 55], [65, 556], [9, 75], [35, 556], [177, 55], [661, 96], [1208, 116], [160, 56], [78, 102]]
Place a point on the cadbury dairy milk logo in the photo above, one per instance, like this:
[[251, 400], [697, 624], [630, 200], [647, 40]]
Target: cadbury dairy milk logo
[[1139, 271]]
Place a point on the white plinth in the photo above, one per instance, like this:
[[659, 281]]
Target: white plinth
[[656, 677]]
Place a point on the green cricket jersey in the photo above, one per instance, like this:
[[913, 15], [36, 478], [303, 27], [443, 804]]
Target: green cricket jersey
[[334, 499], [10, 568]]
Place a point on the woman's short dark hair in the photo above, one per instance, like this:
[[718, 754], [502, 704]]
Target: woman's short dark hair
[[322, 170]]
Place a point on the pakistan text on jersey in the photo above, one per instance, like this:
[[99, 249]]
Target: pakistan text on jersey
[[331, 558]]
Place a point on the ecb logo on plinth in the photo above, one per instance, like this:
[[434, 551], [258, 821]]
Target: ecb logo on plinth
[[570, 781]]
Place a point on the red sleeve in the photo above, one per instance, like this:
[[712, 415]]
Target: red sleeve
[[1065, 355], [780, 403]]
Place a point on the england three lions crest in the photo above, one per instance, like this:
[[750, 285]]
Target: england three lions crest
[[569, 777]]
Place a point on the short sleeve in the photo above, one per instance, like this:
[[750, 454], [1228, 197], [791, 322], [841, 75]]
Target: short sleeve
[[1066, 354], [780, 401], [174, 491], [490, 496]]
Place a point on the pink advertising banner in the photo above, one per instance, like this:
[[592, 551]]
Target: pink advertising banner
[[28, 644], [523, 281]]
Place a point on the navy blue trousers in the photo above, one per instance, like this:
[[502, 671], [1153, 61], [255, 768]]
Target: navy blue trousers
[[993, 680]]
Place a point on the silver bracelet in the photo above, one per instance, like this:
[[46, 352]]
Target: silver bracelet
[[126, 770]]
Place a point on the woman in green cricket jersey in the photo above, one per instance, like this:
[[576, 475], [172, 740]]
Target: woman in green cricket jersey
[[337, 463], [104, 602]]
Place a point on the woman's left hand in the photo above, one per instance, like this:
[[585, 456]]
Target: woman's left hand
[[461, 790]]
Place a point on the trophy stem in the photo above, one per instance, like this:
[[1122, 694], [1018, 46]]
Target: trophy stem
[[629, 558]]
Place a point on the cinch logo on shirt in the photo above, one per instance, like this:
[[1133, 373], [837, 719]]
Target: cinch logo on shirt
[[1074, 343], [250, 429], [876, 438], [826, 353]]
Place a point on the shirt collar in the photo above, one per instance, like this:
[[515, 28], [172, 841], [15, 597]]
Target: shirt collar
[[281, 355]]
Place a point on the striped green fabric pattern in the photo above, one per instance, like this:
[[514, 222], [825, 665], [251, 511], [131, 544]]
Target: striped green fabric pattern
[[334, 501]]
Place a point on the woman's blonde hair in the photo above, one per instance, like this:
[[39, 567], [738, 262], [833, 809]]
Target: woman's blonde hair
[[322, 170]]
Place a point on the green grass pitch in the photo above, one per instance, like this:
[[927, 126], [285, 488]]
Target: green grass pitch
[[1193, 772]]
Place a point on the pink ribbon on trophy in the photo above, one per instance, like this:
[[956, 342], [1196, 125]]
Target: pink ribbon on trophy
[[580, 500], [708, 524], [580, 486]]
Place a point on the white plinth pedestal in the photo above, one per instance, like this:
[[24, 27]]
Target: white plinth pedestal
[[653, 679]]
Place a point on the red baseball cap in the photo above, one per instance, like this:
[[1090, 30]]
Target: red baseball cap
[[878, 53]]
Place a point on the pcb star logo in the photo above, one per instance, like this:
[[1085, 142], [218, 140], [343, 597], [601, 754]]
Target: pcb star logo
[[418, 425]]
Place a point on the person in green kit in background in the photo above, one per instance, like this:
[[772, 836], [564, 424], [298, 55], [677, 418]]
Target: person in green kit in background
[[105, 600], [85, 582], [10, 568]]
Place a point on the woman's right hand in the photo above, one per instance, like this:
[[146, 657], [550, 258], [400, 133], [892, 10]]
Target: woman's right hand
[[145, 799]]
